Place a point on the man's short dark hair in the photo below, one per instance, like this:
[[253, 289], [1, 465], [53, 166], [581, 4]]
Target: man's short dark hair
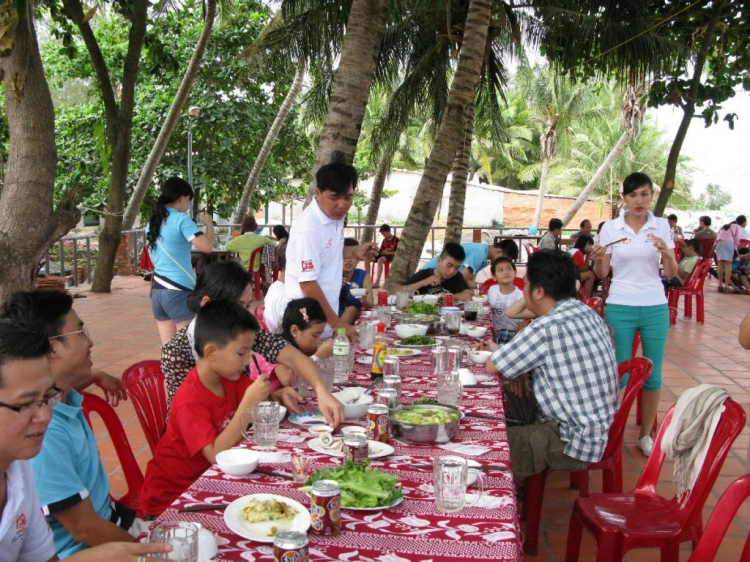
[[385, 228], [672, 217], [694, 244], [350, 242], [706, 220], [555, 272], [498, 261], [584, 221], [509, 248], [220, 322], [453, 250], [741, 251], [18, 343], [337, 177], [42, 311], [222, 280], [555, 224]]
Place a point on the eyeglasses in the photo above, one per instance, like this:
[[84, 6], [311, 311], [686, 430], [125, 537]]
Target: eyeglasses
[[84, 331], [30, 408]]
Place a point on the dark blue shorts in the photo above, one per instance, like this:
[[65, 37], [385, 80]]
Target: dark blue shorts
[[168, 304]]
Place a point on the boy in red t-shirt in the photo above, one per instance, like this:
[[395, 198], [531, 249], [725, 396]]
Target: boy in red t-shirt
[[387, 250], [205, 415]]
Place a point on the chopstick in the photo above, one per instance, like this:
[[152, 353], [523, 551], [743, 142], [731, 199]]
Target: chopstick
[[272, 473], [484, 417], [204, 507], [615, 242]]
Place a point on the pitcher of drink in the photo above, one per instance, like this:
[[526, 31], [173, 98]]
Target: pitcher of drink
[[450, 476]]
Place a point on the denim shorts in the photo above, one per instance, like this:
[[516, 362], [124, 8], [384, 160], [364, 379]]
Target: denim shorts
[[168, 304]]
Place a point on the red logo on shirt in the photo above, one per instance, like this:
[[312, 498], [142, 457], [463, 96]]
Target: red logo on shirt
[[330, 243], [627, 241], [21, 524], [308, 265], [651, 236]]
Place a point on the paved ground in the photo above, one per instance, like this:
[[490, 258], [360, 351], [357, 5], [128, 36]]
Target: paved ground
[[124, 333]]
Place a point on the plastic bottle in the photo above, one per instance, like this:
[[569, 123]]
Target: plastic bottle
[[378, 352], [341, 357]]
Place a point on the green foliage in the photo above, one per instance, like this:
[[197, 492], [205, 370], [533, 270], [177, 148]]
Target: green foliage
[[714, 198]]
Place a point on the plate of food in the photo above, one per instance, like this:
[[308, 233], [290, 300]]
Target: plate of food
[[258, 517], [422, 308], [403, 352], [417, 341], [326, 444], [362, 488]]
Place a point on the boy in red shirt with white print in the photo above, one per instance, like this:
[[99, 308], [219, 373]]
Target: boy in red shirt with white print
[[205, 415]]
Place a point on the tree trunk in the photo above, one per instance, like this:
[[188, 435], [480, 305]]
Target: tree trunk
[[596, 178], [351, 87], [26, 203], [447, 142], [458, 181], [542, 192], [381, 174], [170, 123], [109, 236], [265, 150], [688, 109]]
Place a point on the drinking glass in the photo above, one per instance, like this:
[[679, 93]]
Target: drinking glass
[[439, 359], [246, 422], [300, 385], [456, 353], [183, 537], [390, 366], [382, 314], [325, 368], [471, 310], [393, 382], [452, 323], [300, 468], [266, 424], [449, 388], [366, 335], [402, 300], [449, 478]]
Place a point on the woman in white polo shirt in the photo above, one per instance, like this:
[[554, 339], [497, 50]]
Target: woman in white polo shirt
[[633, 245]]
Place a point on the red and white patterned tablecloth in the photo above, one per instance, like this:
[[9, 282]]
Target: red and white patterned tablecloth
[[411, 531]]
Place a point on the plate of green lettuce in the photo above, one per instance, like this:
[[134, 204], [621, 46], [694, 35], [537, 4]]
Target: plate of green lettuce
[[362, 488]]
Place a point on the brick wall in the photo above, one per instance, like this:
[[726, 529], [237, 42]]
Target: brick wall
[[519, 210]]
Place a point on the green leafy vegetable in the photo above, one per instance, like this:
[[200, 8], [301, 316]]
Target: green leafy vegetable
[[417, 340], [424, 400], [424, 416], [361, 486], [422, 308]]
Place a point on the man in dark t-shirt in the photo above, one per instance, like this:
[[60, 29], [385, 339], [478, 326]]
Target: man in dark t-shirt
[[444, 278]]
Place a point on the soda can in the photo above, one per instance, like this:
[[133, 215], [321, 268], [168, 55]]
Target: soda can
[[378, 426], [355, 448], [325, 508], [389, 397], [447, 300], [382, 298], [290, 546]]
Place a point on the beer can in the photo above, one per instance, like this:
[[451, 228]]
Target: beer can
[[355, 448], [378, 426], [447, 300], [325, 508], [389, 397], [290, 546]]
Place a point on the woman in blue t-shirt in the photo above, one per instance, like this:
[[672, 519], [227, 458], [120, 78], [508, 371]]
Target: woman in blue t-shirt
[[170, 233]]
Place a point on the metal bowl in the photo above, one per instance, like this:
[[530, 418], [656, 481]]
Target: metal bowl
[[425, 434]]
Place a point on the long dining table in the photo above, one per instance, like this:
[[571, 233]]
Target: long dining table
[[414, 530]]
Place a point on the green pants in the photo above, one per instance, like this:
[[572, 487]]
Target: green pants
[[653, 324]]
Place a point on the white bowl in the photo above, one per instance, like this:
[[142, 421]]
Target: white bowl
[[406, 330], [353, 430], [480, 298], [237, 462], [479, 357], [319, 429], [418, 298], [354, 411], [466, 377], [476, 331], [430, 299], [358, 293], [462, 329]]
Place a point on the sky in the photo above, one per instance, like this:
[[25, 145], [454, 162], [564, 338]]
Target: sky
[[719, 155]]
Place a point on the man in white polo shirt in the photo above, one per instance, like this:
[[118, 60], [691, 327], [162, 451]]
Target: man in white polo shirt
[[314, 255]]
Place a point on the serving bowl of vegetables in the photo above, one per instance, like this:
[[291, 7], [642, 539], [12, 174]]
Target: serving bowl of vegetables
[[425, 424], [406, 330]]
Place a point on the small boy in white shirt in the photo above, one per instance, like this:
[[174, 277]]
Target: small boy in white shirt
[[501, 297], [275, 300]]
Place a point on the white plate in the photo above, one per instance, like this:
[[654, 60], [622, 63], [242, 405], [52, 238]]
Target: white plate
[[306, 419], [259, 531], [412, 346], [364, 360], [380, 449], [402, 352]]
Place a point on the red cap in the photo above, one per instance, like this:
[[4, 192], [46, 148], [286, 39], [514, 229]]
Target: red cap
[[381, 327]]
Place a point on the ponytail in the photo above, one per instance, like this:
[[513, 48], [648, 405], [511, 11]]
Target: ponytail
[[171, 191], [728, 225]]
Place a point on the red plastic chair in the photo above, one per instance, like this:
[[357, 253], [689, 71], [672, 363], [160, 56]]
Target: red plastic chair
[[530, 249], [518, 282], [485, 288], [386, 270], [707, 248], [643, 518], [610, 463], [259, 315], [693, 288], [729, 503], [144, 382], [258, 275], [133, 474], [595, 304], [744, 243]]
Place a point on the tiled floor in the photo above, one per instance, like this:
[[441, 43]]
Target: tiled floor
[[124, 333]]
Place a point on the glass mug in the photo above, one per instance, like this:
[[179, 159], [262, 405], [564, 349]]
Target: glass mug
[[183, 537], [449, 388], [402, 300], [452, 323], [450, 476], [265, 424], [325, 369], [366, 333]]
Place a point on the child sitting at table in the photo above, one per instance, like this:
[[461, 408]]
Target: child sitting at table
[[502, 296], [741, 270], [691, 249], [205, 418], [303, 325]]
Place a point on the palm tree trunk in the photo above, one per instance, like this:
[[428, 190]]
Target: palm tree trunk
[[542, 192], [265, 150], [593, 182], [461, 163], [688, 108], [381, 174], [447, 143], [170, 123], [351, 88]]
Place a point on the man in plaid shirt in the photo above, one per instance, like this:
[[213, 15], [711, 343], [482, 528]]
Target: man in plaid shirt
[[563, 424]]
